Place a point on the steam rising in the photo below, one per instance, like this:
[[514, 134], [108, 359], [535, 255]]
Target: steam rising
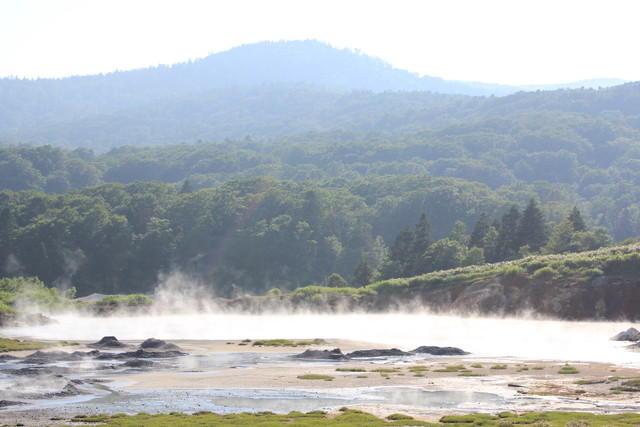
[[184, 309], [484, 337]]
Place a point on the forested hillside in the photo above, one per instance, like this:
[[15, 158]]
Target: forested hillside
[[112, 183], [565, 148], [266, 90], [253, 235]]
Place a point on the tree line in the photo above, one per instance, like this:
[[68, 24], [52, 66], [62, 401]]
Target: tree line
[[562, 157], [249, 236]]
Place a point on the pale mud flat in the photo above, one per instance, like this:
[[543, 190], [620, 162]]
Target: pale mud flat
[[227, 375]]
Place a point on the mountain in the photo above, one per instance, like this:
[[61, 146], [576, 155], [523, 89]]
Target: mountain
[[274, 111], [104, 111]]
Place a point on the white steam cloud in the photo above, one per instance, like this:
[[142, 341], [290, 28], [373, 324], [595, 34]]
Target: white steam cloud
[[484, 337]]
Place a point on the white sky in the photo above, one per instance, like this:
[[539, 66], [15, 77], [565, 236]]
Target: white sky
[[496, 41]]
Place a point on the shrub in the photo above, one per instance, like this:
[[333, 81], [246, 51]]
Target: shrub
[[593, 272], [133, 300], [513, 271], [336, 281], [545, 273], [568, 370], [274, 293]]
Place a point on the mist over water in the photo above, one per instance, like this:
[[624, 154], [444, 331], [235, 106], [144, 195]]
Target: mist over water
[[483, 337]]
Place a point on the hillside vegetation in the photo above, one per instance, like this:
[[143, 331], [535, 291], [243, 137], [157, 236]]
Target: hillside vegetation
[[591, 285], [326, 167]]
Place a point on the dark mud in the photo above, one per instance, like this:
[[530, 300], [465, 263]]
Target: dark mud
[[50, 377], [336, 354]]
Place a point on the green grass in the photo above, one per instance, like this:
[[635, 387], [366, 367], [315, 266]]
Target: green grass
[[132, 300], [588, 382], [286, 343], [629, 386], [316, 377], [566, 369], [8, 344], [351, 370], [498, 367], [575, 267], [555, 419], [351, 417], [450, 368]]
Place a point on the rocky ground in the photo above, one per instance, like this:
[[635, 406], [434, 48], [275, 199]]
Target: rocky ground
[[109, 376]]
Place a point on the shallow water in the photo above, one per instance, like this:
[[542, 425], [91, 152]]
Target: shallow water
[[284, 401], [484, 337]]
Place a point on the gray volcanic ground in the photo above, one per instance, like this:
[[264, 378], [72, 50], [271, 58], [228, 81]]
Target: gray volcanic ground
[[217, 380]]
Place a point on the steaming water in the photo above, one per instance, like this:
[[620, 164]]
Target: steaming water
[[484, 337]]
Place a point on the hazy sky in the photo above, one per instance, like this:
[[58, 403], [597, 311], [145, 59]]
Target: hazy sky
[[501, 41]]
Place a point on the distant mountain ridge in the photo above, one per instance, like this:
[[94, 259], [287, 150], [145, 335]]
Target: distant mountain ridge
[[227, 94]]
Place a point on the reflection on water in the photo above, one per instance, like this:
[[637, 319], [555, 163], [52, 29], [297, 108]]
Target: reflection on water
[[281, 401], [285, 401]]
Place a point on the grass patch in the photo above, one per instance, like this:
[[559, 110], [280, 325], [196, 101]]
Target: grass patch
[[418, 368], [316, 377], [450, 368], [568, 370], [618, 378], [477, 365], [132, 300], [8, 344], [471, 374], [587, 382], [498, 367], [629, 386], [286, 343], [351, 370], [352, 417], [385, 370], [396, 417]]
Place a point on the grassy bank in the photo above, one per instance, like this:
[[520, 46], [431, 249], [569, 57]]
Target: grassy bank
[[7, 344], [350, 417], [578, 267]]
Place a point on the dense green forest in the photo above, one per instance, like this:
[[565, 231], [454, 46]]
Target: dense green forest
[[269, 112], [111, 183], [248, 236], [563, 158]]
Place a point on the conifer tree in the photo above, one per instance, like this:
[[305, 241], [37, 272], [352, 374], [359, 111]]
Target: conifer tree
[[422, 241], [576, 219], [363, 274], [479, 231], [399, 254], [508, 234], [532, 228], [490, 244]]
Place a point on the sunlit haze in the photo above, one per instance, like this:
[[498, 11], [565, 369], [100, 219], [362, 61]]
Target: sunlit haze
[[495, 41], [483, 337]]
